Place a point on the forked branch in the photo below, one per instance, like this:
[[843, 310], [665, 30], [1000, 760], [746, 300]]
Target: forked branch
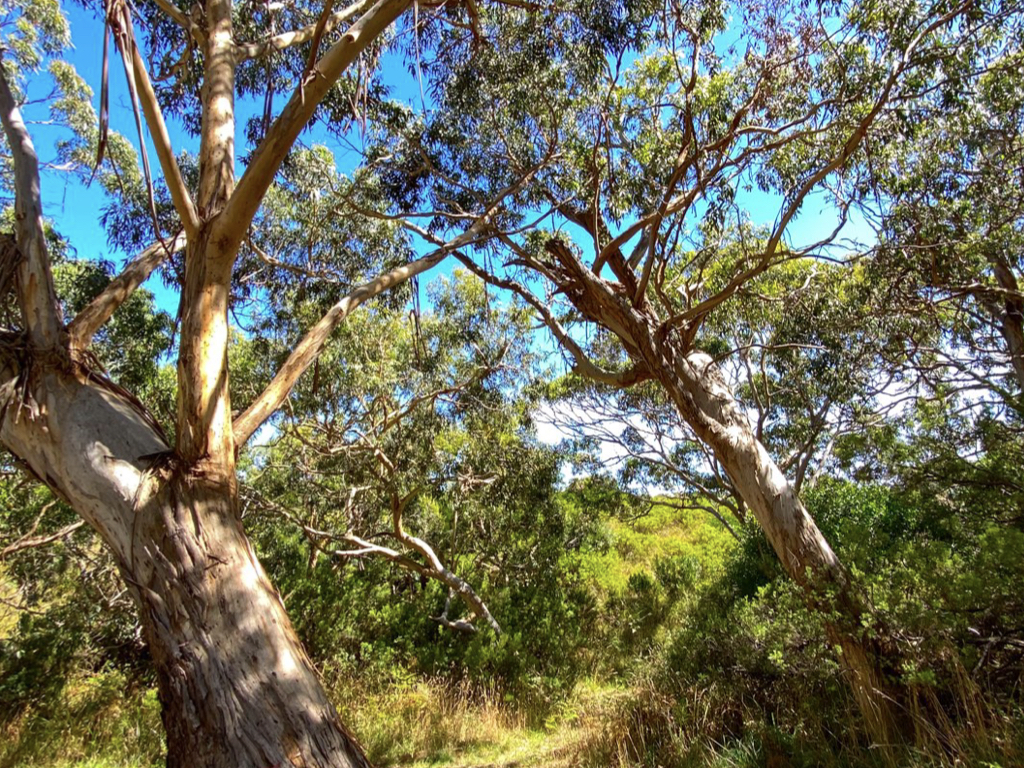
[[182, 20], [433, 568], [583, 365], [313, 342]]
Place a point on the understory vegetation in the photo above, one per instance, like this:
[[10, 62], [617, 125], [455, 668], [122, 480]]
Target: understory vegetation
[[657, 639]]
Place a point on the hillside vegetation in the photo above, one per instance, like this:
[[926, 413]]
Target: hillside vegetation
[[694, 652]]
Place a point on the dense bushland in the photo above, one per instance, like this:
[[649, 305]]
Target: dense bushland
[[759, 263], [655, 640]]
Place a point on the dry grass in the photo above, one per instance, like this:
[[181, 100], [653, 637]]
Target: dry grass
[[426, 720], [98, 723], [417, 723]]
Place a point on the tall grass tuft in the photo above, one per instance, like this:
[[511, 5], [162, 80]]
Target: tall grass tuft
[[97, 722]]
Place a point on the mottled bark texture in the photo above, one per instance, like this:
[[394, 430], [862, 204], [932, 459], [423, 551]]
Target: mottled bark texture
[[236, 688]]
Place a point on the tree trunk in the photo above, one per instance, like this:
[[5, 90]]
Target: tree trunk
[[706, 403], [236, 688], [1010, 314]]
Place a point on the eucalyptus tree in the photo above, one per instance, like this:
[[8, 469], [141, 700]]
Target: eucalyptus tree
[[234, 682], [394, 426], [675, 146], [946, 197]]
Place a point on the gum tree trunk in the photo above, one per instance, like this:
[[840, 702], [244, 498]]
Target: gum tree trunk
[[236, 687], [704, 402], [707, 404]]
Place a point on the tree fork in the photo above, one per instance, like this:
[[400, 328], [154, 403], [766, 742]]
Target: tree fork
[[704, 401], [236, 687]]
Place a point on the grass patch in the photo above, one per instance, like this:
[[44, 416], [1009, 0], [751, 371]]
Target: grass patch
[[97, 722]]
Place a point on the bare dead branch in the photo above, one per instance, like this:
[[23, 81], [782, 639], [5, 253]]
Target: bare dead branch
[[34, 542], [438, 571], [433, 569], [298, 36]]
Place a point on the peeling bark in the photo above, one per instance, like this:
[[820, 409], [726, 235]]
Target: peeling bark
[[235, 684], [236, 687], [706, 402]]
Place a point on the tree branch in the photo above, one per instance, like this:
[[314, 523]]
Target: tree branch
[[33, 542], [584, 366], [313, 342], [162, 141], [307, 350], [36, 294], [437, 569], [241, 207], [434, 569], [857, 137], [99, 310], [181, 20], [284, 40]]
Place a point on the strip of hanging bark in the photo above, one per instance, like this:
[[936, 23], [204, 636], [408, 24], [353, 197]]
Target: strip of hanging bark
[[118, 21], [104, 126], [314, 49], [10, 259], [99, 310]]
